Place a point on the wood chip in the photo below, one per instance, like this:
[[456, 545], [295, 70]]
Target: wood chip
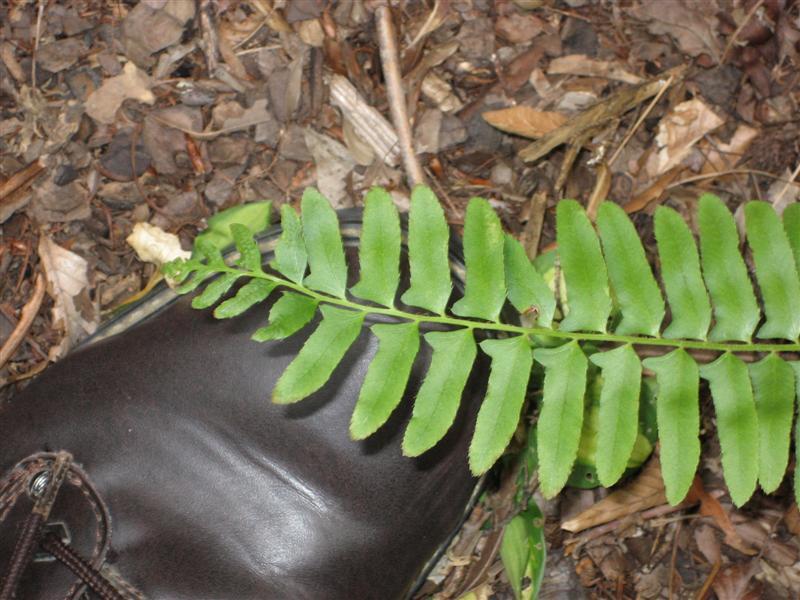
[[368, 123]]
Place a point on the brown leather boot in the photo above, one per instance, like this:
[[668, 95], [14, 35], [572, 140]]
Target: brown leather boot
[[151, 463]]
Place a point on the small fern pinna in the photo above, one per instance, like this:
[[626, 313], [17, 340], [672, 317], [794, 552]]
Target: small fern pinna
[[612, 306]]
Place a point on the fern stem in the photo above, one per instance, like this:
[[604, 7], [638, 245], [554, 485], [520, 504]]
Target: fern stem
[[608, 338]]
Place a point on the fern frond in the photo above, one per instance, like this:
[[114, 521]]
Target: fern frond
[[615, 306]]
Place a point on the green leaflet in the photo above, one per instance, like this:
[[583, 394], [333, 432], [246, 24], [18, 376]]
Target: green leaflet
[[775, 270], [584, 270], [561, 416], [796, 367], [288, 316], [428, 239], [379, 253], [215, 290], [791, 225], [180, 272], [526, 287], [680, 271], [387, 377], [253, 215], [291, 257], [632, 280], [523, 552], [249, 254], [320, 355], [512, 359], [250, 293], [678, 414], [324, 245], [485, 289], [619, 411], [205, 250], [735, 307], [773, 389], [736, 424], [440, 394]]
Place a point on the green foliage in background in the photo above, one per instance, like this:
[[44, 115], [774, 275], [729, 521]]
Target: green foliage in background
[[615, 308]]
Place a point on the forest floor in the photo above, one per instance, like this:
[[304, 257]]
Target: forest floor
[[166, 112]]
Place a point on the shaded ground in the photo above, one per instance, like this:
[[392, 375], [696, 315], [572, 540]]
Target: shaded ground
[[166, 112]]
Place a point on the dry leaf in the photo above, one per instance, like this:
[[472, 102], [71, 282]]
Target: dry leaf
[[67, 284], [691, 24], [334, 163], [154, 245], [705, 537], [722, 156], [678, 132], [580, 64], [711, 507], [525, 121], [102, 104], [646, 491]]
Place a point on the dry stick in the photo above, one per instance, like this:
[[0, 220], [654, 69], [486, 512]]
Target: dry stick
[[26, 317], [739, 29], [788, 183], [597, 115], [39, 15], [596, 197], [394, 92], [19, 179]]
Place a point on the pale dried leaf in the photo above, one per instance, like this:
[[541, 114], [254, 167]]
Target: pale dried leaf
[[645, 491], [102, 104], [437, 90], [721, 156], [154, 245], [580, 64], [525, 121], [678, 132], [334, 163], [67, 283]]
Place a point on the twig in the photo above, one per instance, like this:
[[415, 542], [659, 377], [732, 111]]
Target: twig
[[640, 120], [598, 114], [785, 189], [39, 15], [26, 317], [20, 178], [208, 135], [395, 95], [739, 29]]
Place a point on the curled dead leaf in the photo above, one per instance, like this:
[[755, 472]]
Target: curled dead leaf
[[525, 121], [67, 284]]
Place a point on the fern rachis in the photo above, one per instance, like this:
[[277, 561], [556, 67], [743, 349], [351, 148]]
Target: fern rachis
[[609, 281]]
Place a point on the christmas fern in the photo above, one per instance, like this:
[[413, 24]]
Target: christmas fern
[[612, 303]]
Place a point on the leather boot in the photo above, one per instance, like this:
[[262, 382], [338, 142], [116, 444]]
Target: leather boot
[[150, 463]]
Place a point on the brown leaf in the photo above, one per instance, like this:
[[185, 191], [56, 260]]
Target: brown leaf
[[692, 25], [711, 507], [645, 491], [102, 104], [580, 64], [525, 121]]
